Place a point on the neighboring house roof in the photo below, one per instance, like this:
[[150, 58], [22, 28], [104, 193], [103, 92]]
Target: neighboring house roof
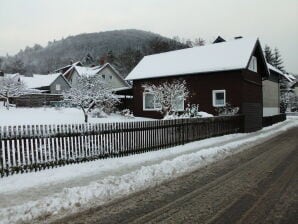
[[37, 81], [224, 56], [272, 68], [90, 71], [65, 68], [87, 71]]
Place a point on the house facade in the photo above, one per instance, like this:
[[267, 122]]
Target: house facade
[[106, 72], [227, 72], [271, 92]]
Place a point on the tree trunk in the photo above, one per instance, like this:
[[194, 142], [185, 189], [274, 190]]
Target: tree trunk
[[7, 103], [86, 117]]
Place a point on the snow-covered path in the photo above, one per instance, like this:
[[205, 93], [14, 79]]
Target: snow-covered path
[[68, 189]]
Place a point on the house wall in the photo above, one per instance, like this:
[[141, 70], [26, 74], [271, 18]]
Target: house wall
[[200, 88], [296, 90], [271, 96], [243, 90], [63, 84], [116, 81]]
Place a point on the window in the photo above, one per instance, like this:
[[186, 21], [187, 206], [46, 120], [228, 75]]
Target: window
[[58, 87], [111, 77], [178, 103], [149, 102], [219, 98], [103, 76], [253, 66]]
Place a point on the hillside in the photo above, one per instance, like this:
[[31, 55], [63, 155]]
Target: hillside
[[123, 47]]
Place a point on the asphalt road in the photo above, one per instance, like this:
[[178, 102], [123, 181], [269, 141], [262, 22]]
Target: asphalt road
[[258, 185]]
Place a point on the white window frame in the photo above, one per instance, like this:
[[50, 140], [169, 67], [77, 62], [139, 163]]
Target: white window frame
[[214, 92], [253, 64], [58, 87], [154, 103]]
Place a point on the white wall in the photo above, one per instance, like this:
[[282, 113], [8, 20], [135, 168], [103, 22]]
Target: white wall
[[269, 111]]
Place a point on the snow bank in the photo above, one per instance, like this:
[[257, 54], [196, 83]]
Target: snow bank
[[106, 189], [47, 115]]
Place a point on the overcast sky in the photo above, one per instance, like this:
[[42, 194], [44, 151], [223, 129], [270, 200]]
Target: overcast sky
[[26, 22]]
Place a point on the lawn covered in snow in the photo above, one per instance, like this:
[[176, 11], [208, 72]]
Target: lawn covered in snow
[[69, 189], [50, 115]]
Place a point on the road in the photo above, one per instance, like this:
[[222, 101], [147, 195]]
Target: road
[[258, 185]]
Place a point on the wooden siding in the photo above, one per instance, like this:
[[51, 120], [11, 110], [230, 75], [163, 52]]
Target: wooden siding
[[36, 100], [243, 87]]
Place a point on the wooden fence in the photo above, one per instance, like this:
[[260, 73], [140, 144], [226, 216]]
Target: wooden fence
[[35, 147], [270, 120]]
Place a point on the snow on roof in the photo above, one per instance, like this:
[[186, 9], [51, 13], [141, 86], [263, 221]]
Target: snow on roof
[[291, 76], [231, 55], [37, 81], [70, 65], [87, 71], [272, 68]]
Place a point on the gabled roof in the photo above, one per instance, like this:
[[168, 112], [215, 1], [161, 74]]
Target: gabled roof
[[65, 68], [87, 71], [224, 56], [37, 81], [90, 71]]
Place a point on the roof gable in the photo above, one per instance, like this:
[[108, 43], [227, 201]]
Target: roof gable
[[224, 56]]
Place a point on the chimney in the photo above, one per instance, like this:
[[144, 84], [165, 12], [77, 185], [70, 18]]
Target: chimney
[[238, 37], [71, 62], [1, 73], [219, 39]]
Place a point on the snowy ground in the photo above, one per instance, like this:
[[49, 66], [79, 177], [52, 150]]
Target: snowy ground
[[57, 192], [46, 115]]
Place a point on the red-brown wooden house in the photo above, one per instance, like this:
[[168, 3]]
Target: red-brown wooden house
[[216, 74]]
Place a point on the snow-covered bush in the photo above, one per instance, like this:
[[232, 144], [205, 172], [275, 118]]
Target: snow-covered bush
[[168, 96], [127, 113], [91, 92], [227, 110], [191, 111]]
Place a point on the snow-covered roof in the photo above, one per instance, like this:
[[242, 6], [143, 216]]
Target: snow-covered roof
[[87, 71], [37, 81], [67, 66], [230, 55], [272, 68]]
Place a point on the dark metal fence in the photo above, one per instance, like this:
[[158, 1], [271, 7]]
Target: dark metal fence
[[34, 147], [270, 120]]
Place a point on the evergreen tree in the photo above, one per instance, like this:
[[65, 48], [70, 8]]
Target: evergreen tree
[[277, 60], [268, 54]]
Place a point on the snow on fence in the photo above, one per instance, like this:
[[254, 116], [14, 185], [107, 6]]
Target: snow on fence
[[270, 120], [35, 147]]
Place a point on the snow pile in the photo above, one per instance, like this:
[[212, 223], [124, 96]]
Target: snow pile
[[108, 188]]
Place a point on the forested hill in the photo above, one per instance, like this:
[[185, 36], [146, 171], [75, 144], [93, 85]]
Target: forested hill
[[123, 48]]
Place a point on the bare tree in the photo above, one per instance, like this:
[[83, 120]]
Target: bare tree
[[169, 96], [11, 86], [89, 93]]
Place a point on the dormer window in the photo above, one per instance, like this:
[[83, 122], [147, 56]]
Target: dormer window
[[253, 66]]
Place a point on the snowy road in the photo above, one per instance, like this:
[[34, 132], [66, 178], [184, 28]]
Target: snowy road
[[258, 185], [58, 192]]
